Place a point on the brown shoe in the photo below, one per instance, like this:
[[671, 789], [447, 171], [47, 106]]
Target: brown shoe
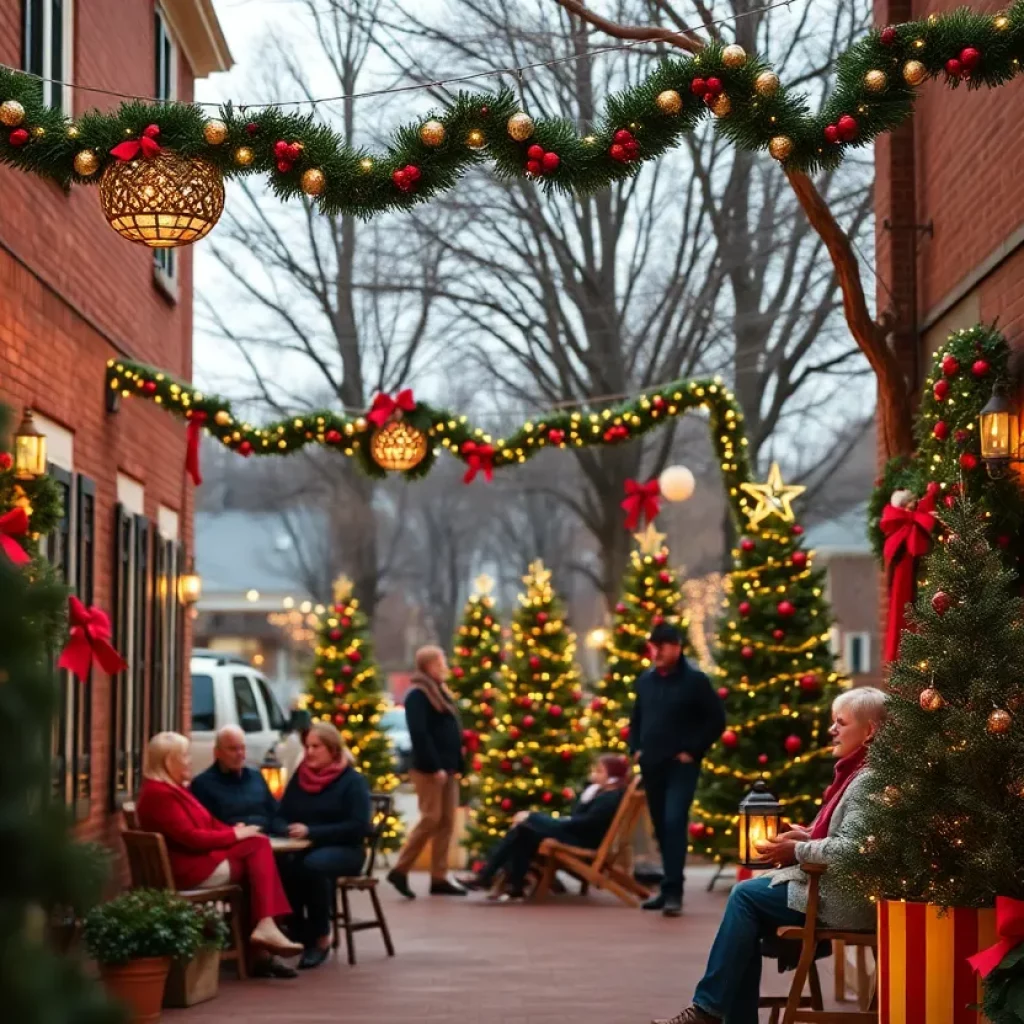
[[691, 1015]]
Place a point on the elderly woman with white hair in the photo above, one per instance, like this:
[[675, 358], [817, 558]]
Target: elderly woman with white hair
[[730, 987], [203, 851]]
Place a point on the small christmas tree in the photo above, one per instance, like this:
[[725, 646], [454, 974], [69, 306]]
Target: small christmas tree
[[537, 756], [776, 673], [650, 594], [345, 690]]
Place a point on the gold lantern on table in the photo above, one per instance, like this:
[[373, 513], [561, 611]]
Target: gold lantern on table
[[760, 821], [273, 774]]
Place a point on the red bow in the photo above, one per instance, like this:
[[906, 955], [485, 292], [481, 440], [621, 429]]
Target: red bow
[[195, 432], [146, 145], [1009, 928], [89, 637], [641, 501], [479, 459], [384, 406], [907, 538], [14, 524]]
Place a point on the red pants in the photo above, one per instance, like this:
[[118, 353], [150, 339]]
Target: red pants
[[252, 861]]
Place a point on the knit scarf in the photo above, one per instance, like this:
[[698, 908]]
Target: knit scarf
[[315, 780], [441, 698], [847, 769]]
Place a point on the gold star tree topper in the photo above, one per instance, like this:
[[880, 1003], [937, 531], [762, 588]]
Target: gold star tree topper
[[342, 589], [650, 540], [538, 574], [773, 497], [483, 584]]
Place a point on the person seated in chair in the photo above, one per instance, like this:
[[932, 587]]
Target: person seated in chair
[[327, 802], [757, 908], [586, 827]]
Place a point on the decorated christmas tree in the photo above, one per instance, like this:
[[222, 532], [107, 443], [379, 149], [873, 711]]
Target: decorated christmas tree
[[537, 757], [650, 594], [776, 675], [345, 690], [476, 662]]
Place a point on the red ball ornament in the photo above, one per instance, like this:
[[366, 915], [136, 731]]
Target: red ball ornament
[[624, 733], [567, 793], [546, 798], [335, 634], [747, 653], [566, 755], [762, 758], [954, 68], [468, 734], [542, 617], [346, 621], [933, 489], [831, 133], [506, 804], [458, 671], [550, 162], [940, 390], [797, 530], [729, 739], [698, 829], [799, 559], [723, 692], [962, 437], [556, 436], [332, 436], [887, 36], [506, 765], [786, 609], [535, 152], [698, 87], [534, 167], [534, 661], [714, 86], [346, 670], [577, 696], [356, 657], [809, 683], [970, 58], [514, 733], [555, 711], [339, 719], [529, 721], [941, 602], [793, 745], [6, 461], [597, 703], [658, 402], [660, 559], [149, 387], [617, 152], [778, 634], [18, 137], [968, 461], [847, 126], [941, 430], [950, 366], [665, 577], [620, 608], [478, 764], [747, 544], [622, 136], [527, 762], [743, 608], [252, 128], [245, 448], [980, 368]]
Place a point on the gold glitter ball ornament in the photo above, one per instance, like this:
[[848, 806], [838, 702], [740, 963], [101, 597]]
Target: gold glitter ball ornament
[[520, 126], [87, 163], [398, 446], [669, 102], [734, 56], [1002, 22], [432, 133], [72, 131], [476, 139], [313, 181], [12, 113], [165, 201], [215, 132], [780, 147], [999, 722], [766, 84], [722, 107], [222, 418], [930, 699], [875, 81], [243, 156], [914, 72]]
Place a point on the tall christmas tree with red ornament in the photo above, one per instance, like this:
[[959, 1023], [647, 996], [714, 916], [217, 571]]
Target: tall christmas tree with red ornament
[[776, 674], [537, 756], [344, 689], [650, 594]]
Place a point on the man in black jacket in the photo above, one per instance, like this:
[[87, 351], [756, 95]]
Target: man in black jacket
[[677, 716]]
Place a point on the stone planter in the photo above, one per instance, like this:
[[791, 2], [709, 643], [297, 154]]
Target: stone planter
[[193, 981], [139, 984]]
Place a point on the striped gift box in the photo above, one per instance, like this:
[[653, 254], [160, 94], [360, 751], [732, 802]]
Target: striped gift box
[[923, 973]]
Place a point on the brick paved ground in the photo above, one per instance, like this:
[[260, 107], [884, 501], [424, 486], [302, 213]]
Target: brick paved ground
[[568, 961]]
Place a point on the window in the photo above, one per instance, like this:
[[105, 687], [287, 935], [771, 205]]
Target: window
[[204, 713], [858, 653], [47, 48], [165, 64], [274, 715], [168, 638], [245, 705]]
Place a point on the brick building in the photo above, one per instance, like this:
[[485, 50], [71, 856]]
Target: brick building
[[74, 295]]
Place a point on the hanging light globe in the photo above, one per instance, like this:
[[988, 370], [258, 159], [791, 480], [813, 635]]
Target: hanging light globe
[[398, 446]]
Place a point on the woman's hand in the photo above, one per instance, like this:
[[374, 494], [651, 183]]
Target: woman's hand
[[781, 852], [297, 830], [520, 817], [247, 831], [796, 835]]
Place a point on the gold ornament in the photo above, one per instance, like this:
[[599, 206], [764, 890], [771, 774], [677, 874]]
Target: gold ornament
[[432, 133], [734, 56], [163, 202], [766, 83], [215, 132], [366, 165], [933, 19], [342, 589], [914, 72], [243, 156], [930, 699], [875, 81], [538, 574], [222, 418], [39, 131], [722, 106], [86, 163], [12, 113], [774, 498], [313, 181], [999, 722], [780, 147], [398, 446], [476, 139], [669, 102], [650, 540], [520, 126], [72, 131], [1002, 22]]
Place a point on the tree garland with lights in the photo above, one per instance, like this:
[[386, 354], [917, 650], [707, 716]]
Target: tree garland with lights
[[142, 149], [650, 594], [344, 689], [537, 756], [777, 676]]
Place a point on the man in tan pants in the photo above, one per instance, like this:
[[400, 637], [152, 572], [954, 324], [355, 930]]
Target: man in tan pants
[[432, 715]]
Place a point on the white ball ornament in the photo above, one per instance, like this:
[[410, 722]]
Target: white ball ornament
[[676, 483]]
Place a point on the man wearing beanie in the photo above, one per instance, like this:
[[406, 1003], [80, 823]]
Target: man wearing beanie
[[677, 716]]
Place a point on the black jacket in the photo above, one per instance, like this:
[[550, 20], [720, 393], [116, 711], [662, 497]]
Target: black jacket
[[339, 815], [436, 736], [674, 714], [237, 798], [586, 826]]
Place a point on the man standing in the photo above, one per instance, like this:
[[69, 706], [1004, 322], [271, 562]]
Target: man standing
[[436, 733], [677, 716]]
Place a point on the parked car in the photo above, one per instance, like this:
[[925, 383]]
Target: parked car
[[394, 724]]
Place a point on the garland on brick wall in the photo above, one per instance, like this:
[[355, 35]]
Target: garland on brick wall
[[875, 87]]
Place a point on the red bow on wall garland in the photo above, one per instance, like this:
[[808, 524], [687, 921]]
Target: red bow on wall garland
[[1009, 928], [146, 145], [479, 459], [384, 406], [642, 501], [14, 524], [908, 536], [89, 637], [196, 422]]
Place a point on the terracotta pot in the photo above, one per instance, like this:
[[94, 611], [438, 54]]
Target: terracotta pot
[[193, 981], [139, 984]]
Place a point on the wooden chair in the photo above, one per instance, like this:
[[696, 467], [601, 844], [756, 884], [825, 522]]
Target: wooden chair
[[131, 816], [600, 868], [151, 869], [797, 1008], [383, 806]]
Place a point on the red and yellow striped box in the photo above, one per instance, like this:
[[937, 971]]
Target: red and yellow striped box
[[923, 973]]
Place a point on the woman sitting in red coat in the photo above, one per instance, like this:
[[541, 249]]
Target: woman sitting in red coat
[[205, 852]]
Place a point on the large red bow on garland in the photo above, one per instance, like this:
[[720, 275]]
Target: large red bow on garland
[[146, 145], [89, 638], [14, 524], [384, 406], [908, 536], [641, 501], [1009, 928], [196, 422], [479, 459]]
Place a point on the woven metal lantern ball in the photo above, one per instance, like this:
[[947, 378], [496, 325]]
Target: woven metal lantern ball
[[914, 72], [12, 113], [398, 446], [87, 163], [734, 56], [669, 102], [766, 84], [164, 201], [432, 133], [520, 126], [780, 147], [215, 132]]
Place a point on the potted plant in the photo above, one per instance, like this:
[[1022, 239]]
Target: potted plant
[[196, 980], [134, 938]]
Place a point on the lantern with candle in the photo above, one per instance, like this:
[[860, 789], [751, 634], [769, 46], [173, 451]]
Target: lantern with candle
[[760, 821]]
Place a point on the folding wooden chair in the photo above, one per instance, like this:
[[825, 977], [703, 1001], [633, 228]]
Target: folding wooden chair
[[601, 868], [151, 869], [342, 920]]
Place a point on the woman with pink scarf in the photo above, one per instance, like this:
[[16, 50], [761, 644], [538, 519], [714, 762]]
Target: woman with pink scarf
[[731, 984]]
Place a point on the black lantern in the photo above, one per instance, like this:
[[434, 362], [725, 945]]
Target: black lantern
[[760, 821], [273, 774], [999, 433]]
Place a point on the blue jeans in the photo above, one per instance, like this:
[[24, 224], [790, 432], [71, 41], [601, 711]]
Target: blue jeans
[[309, 882], [670, 786], [732, 980]]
